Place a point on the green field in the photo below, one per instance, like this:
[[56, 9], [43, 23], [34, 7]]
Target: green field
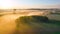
[[28, 25], [50, 27]]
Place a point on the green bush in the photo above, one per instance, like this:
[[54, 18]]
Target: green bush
[[27, 19]]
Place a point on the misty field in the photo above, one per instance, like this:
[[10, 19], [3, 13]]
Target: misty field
[[24, 23], [51, 26]]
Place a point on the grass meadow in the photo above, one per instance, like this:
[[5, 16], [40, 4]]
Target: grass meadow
[[33, 24]]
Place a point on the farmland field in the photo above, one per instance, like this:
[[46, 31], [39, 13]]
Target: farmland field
[[8, 24]]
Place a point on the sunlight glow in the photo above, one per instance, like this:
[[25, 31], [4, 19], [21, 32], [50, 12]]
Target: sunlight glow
[[6, 4], [23, 4]]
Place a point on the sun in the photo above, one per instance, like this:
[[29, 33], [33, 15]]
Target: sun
[[6, 4]]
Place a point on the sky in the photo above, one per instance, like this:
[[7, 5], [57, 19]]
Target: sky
[[22, 4]]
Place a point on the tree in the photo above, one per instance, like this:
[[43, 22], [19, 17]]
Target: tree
[[14, 11]]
